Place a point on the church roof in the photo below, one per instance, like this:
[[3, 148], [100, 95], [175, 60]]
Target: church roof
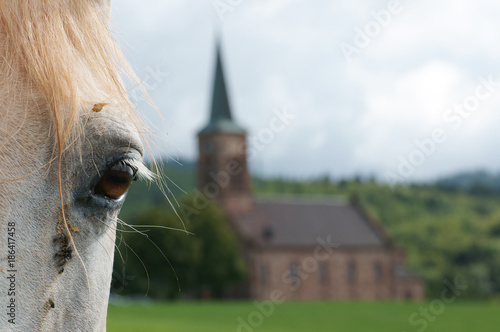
[[300, 223], [220, 115]]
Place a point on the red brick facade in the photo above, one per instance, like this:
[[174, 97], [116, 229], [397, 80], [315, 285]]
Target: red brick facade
[[345, 274]]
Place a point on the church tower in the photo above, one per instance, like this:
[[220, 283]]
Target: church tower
[[222, 164]]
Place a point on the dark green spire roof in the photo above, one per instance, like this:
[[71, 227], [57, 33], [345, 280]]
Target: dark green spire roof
[[220, 116]]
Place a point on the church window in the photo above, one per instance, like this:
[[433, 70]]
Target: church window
[[323, 273], [237, 179], [264, 274], [351, 272], [377, 271], [208, 147], [294, 274]]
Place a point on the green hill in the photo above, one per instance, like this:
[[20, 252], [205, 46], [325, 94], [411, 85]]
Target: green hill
[[446, 233]]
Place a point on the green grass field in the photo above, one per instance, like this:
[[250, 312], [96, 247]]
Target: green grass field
[[307, 317]]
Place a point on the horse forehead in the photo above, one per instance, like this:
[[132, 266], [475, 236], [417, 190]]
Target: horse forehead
[[112, 126]]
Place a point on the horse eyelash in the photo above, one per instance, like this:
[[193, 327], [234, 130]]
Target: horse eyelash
[[141, 171]]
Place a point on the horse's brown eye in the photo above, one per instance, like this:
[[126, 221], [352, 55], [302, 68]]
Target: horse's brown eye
[[115, 182]]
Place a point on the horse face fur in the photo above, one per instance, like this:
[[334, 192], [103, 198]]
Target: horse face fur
[[55, 287], [57, 257]]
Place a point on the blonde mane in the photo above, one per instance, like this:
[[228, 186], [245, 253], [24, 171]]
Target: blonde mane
[[65, 51]]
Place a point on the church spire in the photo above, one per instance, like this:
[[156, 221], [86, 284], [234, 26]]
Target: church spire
[[222, 164], [220, 113]]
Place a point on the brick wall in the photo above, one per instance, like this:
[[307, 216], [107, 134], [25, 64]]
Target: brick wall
[[347, 274]]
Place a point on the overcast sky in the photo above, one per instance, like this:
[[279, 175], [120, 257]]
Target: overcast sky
[[398, 89]]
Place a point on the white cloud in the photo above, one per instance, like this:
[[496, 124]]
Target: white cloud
[[267, 9], [356, 117]]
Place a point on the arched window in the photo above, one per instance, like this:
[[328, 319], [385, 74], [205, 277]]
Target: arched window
[[264, 274], [323, 273], [351, 272], [209, 169], [238, 178], [208, 147], [294, 274], [377, 272]]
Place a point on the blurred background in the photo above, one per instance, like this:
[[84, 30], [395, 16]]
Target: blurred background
[[389, 108]]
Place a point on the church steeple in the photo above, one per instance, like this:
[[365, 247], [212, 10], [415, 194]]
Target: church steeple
[[220, 112], [222, 164]]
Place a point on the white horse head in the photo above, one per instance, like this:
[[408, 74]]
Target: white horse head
[[70, 144]]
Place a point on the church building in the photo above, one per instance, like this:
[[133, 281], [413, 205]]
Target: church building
[[298, 249]]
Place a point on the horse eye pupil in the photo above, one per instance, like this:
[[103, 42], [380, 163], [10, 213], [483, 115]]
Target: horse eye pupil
[[115, 182], [119, 177]]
